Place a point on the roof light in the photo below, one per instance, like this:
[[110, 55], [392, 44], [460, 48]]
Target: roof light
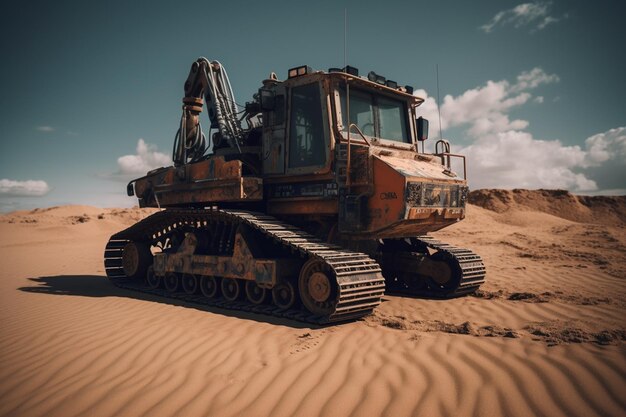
[[391, 84], [408, 89], [347, 69], [372, 76], [298, 71], [351, 70]]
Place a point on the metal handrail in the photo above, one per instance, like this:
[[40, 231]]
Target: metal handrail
[[358, 131], [445, 145], [445, 155], [445, 160], [348, 181]]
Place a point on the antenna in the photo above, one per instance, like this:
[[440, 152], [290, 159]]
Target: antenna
[[345, 37], [345, 66], [347, 116], [439, 103]]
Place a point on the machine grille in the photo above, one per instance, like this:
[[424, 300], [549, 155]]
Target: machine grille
[[420, 194]]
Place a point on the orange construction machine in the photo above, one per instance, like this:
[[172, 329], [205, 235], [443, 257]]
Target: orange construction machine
[[320, 203]]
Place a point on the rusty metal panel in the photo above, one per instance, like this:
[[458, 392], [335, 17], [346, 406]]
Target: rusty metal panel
[[397, 208], [249, 189], [158, 177], [301, 206], [418, 169], [274, 146], [243, 264], [209, 181], [252, 188], [359, 165], [386, 205], [214, 168]]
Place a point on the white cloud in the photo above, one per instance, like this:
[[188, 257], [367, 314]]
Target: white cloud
[[549, 19], [535, 15], [607, 146], [147, 158], [45, 129], [485, 108], [29, 188], [514, 159], [504, 155], [532, 79]]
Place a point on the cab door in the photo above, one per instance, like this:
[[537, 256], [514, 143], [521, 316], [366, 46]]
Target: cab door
[[274, 133], [308, 147]]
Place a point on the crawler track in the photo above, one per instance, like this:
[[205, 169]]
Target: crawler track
[[472, 268], [358, 277], [468, 269]]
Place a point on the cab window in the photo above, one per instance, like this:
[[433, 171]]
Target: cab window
[[306, 128], [361, 112], [375, 115]]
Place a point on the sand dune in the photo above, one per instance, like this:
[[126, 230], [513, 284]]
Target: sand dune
[[544, 336], [610, 210]]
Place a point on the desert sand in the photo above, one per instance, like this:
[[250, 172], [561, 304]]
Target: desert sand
[[545, 335]]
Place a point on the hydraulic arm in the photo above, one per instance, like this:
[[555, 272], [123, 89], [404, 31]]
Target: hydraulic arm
[[207, 82]]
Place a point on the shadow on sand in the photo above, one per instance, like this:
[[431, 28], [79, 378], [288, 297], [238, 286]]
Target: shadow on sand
[[100, 286]]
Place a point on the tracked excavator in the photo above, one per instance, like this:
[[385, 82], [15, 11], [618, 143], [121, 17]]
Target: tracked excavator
[[309, 202]]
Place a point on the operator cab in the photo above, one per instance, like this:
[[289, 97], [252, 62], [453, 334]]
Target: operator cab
[[307, 115]]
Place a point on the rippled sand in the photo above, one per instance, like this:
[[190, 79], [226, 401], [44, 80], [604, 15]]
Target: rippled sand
[[544, 336]]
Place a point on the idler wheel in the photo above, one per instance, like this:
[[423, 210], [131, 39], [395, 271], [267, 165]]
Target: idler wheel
[[231, 288], [190, 283], [171, 282], [152, 280], [136, 258], [284, 295], [318, 289], [209, 286], [447, 276], [255, 294]]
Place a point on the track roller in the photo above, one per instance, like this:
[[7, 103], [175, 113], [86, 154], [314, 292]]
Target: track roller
[[255, 294], [231, 288], [209, 286], [284, 295], [171, 282], [190, 283]]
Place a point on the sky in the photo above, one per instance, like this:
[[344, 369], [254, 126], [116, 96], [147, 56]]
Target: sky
[[532, 92]]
